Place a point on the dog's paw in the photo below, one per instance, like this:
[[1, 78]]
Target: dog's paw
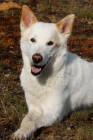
[[21, 134]]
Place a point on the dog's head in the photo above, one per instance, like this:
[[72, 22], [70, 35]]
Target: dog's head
[[42, 41]]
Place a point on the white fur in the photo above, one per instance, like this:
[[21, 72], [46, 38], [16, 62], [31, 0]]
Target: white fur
[[65, 84]]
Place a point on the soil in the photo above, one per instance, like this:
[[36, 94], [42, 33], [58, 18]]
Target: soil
[[81, 43]]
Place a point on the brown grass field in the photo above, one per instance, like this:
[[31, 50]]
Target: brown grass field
[[77, 126]]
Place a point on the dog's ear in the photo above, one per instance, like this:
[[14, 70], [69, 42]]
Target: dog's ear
[[27, 17], [66, 24]]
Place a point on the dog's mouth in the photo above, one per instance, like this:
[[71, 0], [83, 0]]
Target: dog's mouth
[[36, 70]]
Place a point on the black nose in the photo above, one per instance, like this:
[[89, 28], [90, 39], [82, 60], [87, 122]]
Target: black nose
[[37, 58]]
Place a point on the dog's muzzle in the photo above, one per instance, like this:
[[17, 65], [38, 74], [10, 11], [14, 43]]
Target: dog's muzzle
[[35, 67]]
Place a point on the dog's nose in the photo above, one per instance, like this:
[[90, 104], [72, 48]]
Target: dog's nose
[[37, 58]]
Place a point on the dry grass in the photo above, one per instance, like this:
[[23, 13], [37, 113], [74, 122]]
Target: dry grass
[[12, 103], [84, 132]]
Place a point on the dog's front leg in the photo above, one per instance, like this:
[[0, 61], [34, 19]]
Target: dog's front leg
[[27, 125]]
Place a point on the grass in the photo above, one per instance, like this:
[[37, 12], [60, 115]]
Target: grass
[[8, 13], [24, 1], [84, 129], [82, 115], [84, 133], [85, 15], [13, 106], [59, 8], [1, 43], [3, 65]]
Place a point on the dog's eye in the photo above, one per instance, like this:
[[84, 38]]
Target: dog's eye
[[33, 40], [50, 43]]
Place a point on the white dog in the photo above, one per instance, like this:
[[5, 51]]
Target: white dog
[[55, 81]]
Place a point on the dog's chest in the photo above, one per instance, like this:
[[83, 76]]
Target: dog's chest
[[41, 87]]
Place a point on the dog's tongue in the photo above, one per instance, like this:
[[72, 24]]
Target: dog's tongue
[[35, 69]]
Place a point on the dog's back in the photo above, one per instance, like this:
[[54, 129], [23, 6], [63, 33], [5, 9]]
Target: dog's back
[[80, 85]]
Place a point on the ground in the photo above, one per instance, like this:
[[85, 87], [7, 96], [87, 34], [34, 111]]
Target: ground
[[79, 125]]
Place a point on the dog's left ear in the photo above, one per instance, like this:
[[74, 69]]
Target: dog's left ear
[[27, 18], [66, 24]]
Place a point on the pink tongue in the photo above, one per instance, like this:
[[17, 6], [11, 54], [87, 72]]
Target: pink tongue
[[35, 70]]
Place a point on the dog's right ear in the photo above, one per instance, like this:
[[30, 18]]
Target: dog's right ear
[[27, 18]]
